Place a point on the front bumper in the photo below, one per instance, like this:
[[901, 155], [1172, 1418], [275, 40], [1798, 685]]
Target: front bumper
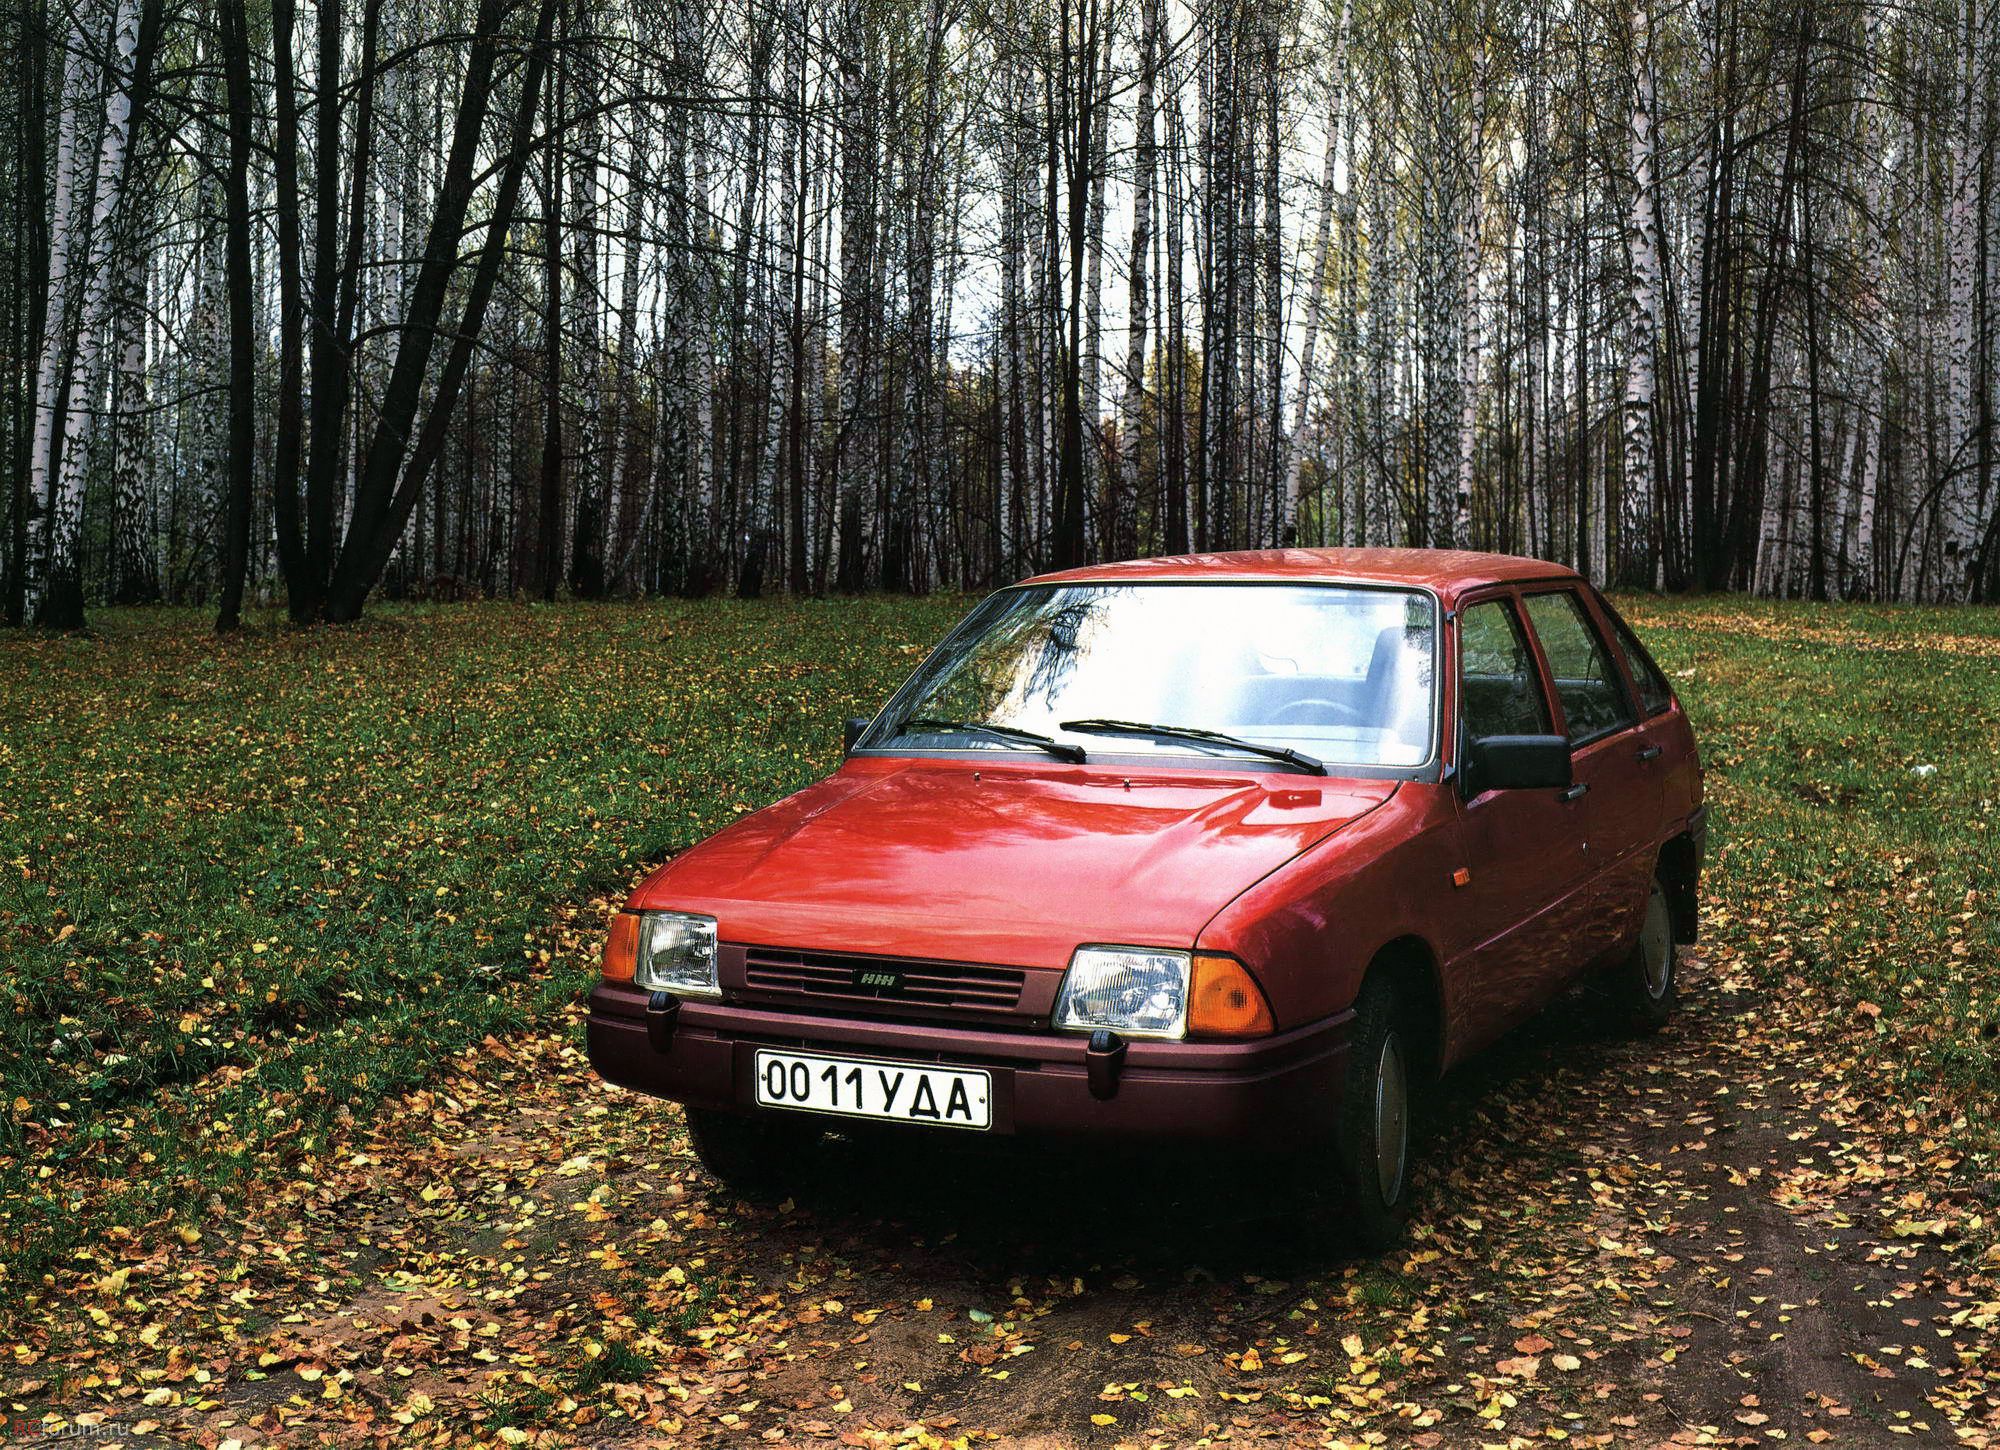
[[1275, 1092]]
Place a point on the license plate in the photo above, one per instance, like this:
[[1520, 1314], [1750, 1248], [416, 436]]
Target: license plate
[[854, 1087]]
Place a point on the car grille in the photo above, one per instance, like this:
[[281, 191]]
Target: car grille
[[960, 986]]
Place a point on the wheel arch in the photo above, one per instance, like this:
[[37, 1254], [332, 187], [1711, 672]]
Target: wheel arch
[[1411, 965], [1679, 871]]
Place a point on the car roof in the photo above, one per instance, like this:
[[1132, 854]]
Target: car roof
[[1449, 572]]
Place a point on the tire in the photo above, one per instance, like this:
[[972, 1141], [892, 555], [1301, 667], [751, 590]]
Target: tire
[[1373, 1139], [759, 1156], [1645, 986]]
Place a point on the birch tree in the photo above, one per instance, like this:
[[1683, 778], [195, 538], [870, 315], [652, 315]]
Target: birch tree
[[75, 332], [1644, 308], [1316, 275]]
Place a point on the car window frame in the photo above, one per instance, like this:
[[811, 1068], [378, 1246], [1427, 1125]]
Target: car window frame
[[1615, 622], [1576, 589], [1510, 599]]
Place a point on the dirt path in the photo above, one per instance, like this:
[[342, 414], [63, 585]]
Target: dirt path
[[1696, 1239]]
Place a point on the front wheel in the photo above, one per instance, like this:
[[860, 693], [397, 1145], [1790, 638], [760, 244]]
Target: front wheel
[[1372, 1144], [757, 1155], [1645, 986]]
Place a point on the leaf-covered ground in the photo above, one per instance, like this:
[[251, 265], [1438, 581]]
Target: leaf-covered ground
[[359, 1184]]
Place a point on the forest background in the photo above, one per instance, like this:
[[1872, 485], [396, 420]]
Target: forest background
[[302, 303]]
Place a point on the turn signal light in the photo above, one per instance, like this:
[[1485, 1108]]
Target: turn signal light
[[1226, 1002], [621, 947]]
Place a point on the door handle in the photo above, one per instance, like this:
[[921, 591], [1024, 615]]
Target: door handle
[[1576, 792], [1651, 752]]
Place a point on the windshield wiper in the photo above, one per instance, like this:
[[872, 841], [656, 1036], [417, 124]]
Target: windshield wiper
[[1062, 751], [1188, 732]]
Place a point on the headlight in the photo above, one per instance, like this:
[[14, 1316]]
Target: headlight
[[1128, 989], [677, 954]]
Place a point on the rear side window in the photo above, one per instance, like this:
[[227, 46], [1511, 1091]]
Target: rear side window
[[1592, 698], [1654, 695], [1499, 691]]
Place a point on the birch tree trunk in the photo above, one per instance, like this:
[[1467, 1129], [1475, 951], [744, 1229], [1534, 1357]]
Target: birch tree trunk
[[132, 38], [791, 274], [857, 270], [134, 574], [625, 361], [1472, 341], [1271, 259], [1132, 403], [585, 525], [549, 497], [1351, 473], [1958, 504], [1093, 286], [1010, 373], [1316, 278], [53, 371], [1643, 314], [1872, 310], [1180, 508], [1380, 515]]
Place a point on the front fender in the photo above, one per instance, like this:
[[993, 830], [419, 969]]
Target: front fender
[[1309, 930]]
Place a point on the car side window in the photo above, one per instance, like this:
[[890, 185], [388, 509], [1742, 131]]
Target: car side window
[[1499, 691], [1654, 694], [1586, 683]]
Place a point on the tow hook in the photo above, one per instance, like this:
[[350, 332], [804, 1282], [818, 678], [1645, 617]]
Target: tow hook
[[661, 1010], [1103, 1060]]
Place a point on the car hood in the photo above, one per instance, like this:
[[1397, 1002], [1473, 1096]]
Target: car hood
[[1012, 863]]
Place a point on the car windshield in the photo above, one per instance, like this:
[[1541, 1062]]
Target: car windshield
[[1343, 675]]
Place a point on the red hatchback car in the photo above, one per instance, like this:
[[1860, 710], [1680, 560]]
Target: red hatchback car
[[1239, 849]]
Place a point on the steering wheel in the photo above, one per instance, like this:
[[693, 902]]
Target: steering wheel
[[1344, 713]]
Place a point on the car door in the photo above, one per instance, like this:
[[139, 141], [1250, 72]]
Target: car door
[[1522, 895], [1657, 751], [1612, 762]]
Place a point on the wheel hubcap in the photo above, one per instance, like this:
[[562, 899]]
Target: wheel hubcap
[[1656, 946], [1392, 1118]]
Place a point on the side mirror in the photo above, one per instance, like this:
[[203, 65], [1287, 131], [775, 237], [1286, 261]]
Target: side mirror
[[851, 734], [1518, 762]]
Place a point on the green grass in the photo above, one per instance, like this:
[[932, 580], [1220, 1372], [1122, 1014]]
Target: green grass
[[248, 888], [618, 1364], [251, 887]]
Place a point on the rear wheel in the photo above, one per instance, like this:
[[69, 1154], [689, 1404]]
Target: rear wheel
[[1645, 986], [1372, 1144], [756, 1155]]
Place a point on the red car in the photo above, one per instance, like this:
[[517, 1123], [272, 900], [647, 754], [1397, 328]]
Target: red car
[[1240, 849]]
